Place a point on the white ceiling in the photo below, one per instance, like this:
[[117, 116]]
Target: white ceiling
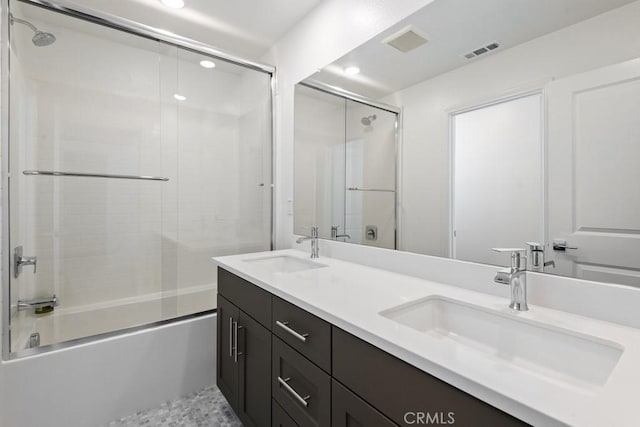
[[247, 28], [454, 27]]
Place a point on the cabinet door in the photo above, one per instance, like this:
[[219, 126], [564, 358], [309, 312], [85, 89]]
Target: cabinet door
[[280, 417], [348, 410], [254, 375], [227, 368]]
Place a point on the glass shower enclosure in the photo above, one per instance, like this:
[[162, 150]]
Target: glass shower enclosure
[[132, 160], [345, 162]]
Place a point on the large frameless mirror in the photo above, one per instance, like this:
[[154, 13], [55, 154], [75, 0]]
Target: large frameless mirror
[[518, 129]]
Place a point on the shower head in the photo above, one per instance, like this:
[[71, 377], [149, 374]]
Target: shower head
[[40, 38], [367, 120]]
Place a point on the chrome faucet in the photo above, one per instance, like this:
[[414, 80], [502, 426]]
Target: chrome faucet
[[40, 305], [515, 277], [335, 235], [314, 241], [536, 257]]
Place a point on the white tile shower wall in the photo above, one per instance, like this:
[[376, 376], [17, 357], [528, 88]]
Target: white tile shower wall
[[614, 35], [371, 165]]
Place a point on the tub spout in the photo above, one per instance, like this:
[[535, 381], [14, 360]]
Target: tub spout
[[40, 305]]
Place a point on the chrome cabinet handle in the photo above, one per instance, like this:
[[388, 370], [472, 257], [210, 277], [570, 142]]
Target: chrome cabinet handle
[[230, 336], [302, 400], [236, 326], [283, 325], [235, 339]]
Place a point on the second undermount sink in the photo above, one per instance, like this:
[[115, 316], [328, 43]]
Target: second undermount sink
[[534, 347], [285, 264]]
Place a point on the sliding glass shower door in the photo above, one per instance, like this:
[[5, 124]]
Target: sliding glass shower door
[[132, 163]]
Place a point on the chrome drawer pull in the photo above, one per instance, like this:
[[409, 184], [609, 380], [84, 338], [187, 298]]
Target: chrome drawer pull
[[283, 325], [302, 400]]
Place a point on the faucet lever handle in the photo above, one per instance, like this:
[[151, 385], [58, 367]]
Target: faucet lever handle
[[517, 260], [534, 246], [508, 250]]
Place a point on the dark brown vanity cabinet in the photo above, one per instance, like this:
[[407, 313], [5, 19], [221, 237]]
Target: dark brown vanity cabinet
[[280, 365], [279, 417], [244, 353], [403, 392], [349, 410]]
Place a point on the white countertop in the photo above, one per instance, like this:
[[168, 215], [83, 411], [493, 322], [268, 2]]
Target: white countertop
[[351, 296]]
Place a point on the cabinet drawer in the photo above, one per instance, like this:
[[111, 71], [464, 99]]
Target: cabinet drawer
[[396, 388], [348, 410], [303, 331], [280, 417], [251, 299], [299, 386]]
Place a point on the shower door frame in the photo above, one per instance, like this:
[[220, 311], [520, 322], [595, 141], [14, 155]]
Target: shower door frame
[[137, 29], [345, 94]]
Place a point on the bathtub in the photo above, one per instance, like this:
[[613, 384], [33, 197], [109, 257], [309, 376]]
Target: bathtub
[[66, 324], [107, 377]]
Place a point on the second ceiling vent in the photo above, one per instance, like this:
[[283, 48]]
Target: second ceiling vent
[[481, 50], [406, 39]]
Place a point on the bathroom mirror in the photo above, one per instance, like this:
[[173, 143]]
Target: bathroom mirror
[[512, 122]]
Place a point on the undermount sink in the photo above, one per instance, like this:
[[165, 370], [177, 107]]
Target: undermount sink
[[285, 264], [531, 346]]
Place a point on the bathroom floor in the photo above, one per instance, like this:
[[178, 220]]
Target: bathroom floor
[[204, 408]]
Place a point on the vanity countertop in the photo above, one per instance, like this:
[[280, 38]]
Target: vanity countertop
[[351, 296]]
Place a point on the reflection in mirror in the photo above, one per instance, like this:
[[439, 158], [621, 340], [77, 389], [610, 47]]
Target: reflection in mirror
[[345, 168], [519, 124]]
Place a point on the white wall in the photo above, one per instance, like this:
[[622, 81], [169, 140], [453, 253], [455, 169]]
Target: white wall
[[332, 29], [606, 39]]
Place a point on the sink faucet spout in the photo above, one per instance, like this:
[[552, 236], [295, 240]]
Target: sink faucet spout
[[515, 277]]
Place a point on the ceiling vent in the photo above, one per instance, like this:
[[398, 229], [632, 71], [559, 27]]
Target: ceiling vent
[[406, 39], [482, 50]]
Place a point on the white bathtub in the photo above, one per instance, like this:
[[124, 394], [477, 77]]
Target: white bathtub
[[96, 382], [65, 324]]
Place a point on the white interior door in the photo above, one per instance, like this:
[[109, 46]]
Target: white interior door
[[594, 173], [497, 178]]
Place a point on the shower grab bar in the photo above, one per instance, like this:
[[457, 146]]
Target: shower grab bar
[[370, 189], [95, 175]]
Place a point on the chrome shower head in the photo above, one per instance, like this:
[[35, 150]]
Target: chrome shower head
[[367, 120], [40, 38]]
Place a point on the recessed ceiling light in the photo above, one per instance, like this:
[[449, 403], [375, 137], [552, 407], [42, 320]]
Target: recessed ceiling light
[[179, 97], [175, 4], [207, 64], [351, 71]]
